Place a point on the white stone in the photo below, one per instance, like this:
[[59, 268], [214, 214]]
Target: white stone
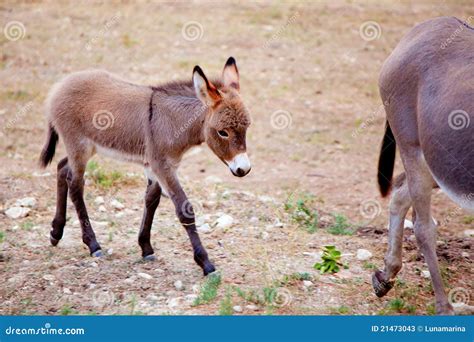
[[102, 209], [190, 298], [251, 307], [469, 232], [116, 204], [266, 199], [213, 180], [173, 303], [99, 200], [363, 254], [29, 202], [178, 284], [408, 224], [145, 275], [224, 221], [465, 254], [204, 228], [237, 308], [48, 277], [253, 219], [307, 283], [278, 223], [425, 274], [17, 212], [196, 288], [66, 291]]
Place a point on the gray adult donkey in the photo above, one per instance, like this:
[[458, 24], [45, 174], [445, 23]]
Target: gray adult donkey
[[427, 86], [94, 111]]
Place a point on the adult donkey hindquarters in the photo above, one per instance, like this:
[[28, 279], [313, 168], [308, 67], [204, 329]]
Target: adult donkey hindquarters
[[427, 86], [94, 111]]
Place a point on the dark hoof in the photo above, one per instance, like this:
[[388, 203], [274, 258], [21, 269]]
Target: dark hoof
[[53, 241], [208, 269], [381, 287], [97, 254], [150, 257]]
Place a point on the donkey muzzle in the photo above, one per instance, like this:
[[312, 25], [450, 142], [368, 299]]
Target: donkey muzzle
[[240, 165]]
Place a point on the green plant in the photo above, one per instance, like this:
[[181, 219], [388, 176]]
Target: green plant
[[225, 308], [208, 290], [396, 305], [100, 177], [302, 214], [340, 226], [331, 260], [27, 225], [343, 310], [68, 310], [369, 266], [2, 237]]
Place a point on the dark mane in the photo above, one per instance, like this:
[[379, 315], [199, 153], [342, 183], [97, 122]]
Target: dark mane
[[181, 88]]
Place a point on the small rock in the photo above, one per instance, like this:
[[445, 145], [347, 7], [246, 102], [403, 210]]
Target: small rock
[[469, 232], [307, 283], [278, 223], [465, 254], [266, 199], [425, 274], [213, 180], [174, 302], [48, 277], [408, 224], [29, 202], [196, 288], [204, 228], [251, 307], [253, 219], [190, 298], [237, 308], [145, 275], [66, 291], [94, 264], [99, 200], [265, 235], [178, 284], [116, 204], [225, 221], [102, 209], [110, 251], [17, 212], [363, 254]]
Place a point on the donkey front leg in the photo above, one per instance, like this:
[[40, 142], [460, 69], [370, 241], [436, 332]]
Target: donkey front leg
[[152, 200], [75, 181]]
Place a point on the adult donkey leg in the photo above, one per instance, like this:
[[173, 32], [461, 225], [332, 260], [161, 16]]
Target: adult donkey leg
[[400, 202], [61, 203], [185, 213], [152, 200], [420, 183], [75, 181]]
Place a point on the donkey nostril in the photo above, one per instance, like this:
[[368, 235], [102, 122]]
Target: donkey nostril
[[240, 172]]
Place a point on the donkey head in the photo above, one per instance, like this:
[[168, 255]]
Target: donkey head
[[227, 119]]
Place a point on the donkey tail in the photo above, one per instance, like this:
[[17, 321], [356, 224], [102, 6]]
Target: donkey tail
[[49, 148], [386, 161]]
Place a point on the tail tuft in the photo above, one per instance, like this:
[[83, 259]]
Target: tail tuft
[[386, 161], [49, 148]]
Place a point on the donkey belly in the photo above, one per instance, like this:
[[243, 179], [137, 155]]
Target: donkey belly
[[119, 155]]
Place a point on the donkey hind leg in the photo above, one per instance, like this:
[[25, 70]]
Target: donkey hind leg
[[152, 200], [400, 202], [75, 181], [420, 183], [61, 203]]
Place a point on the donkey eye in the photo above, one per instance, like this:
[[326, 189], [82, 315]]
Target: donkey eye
[[223, 134]]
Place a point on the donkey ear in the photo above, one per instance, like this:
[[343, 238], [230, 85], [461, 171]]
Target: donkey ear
[[230, 75], [205, 90]]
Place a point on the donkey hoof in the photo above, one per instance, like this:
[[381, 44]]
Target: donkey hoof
[[150, 257], [381, 287], [208, 269], [97, 254], [53, 241]]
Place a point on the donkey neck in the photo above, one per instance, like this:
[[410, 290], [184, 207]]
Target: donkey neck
[[176, 107]]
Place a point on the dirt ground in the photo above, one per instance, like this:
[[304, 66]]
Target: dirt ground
[[309, 78]]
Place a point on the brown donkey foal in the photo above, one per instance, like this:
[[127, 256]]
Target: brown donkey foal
[[427, 87], [94, 111]]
